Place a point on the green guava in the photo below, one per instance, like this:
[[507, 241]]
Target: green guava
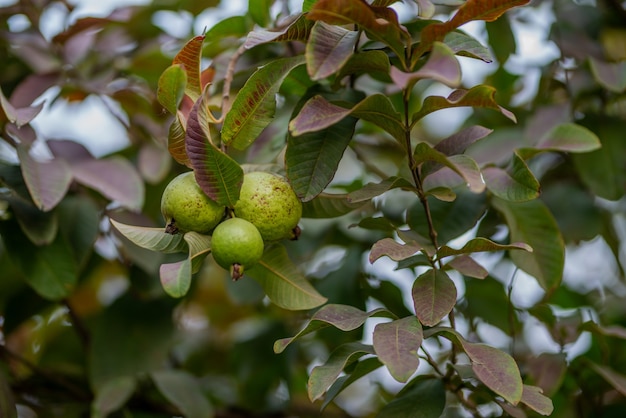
[[186, 207], [236, 245], [268, 201]]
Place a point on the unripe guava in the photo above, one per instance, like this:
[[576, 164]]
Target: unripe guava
[[268, 201], [236, 245], [186, 207]]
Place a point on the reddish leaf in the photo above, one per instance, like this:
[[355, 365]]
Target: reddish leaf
[[534, 398], [434, 296], [467, 266], [394, 250], [176, 141], [481, 244], [329, 47], [396, 344], [298, 30], [20, 116], [441, 66], [190, 56], [458, 142]]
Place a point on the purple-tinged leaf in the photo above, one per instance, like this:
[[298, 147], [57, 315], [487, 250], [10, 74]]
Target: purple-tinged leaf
[[70, 151], [458, 142], [298, 30], [217, 174], [516, 184], [47, 181], [381, 24], [190, 57], [467, 266], [322, 377], [318, 114], [534, 398], [18, 116], [396, 344], [547, 371], [453, 171], [329, 47], [532, 223], [171, 88], [154, 162], [617, 380], [254, 106], [371, 190], [312, 159], [478, 96], [481, 244], [283, 282], [154, 239], [442, 66], [611, 76], [343, 317], [566, 137], [394, 250], [112, 395], [25, 135], [176, 277], [327, 205], [434, 296], [114, 177], [176, 141]]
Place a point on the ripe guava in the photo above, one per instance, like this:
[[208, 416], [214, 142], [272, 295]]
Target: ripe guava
[[236, 245], [186, 207], [268, 201]]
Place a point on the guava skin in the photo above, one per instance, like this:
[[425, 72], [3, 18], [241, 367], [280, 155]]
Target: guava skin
[[236, 245], [185, 207], [268, 201]]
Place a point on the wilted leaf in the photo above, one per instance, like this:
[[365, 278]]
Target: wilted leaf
[[283, 282], [434, 296], [531, 222], [184, 391], [442, 66], [112, 395], [329, 47], [190, 57], [154, 239], [253, 108], [427, 392], [396, 344], [327, 205]]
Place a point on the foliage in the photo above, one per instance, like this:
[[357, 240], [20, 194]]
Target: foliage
[[427, 262]]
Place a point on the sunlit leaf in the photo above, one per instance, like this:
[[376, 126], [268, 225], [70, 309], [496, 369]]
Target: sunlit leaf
[[171, 88], [442, 66], [298, 30], [113, 395], [427, 392], [396, 344], [283, 282], [184, 391], [534, 398], [189, 57], [323, 376], [326, 205], [434, 296], [343, 317], [329, 47], [515, 184], [253, 108], [532, 223], [478, 96], [154, 239], [481, 244]]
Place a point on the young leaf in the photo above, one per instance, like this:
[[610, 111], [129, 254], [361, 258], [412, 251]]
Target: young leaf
[[176, 141], [516, 184], [312, 159], [283, 283], [427, 392], [184, 391], [254, 106], [298, 30], [396, 344], [217, 174], [434, 296], [318, 113], [442, 66], [171, 88], [481, 244], [329, 47], [531, 222], [154, 239], [394, 250], [327, 205], [534, 398], [190, 57], [323, 376], [478, 96], [343, 317], [176, 277]]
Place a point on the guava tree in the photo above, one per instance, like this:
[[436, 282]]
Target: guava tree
[[425, 268]]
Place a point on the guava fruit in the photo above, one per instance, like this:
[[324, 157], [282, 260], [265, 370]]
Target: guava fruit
[[186, 207], [268, 201], [236, 245]]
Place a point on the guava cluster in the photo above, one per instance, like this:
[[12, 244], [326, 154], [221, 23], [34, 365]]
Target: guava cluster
[[267, 210]]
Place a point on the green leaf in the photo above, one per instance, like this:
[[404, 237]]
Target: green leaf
[[283, 282], [372, 190], [501, 39], [566, 137], [253, 108], [448, 178], [298, 30], [7, 400], [478, 96], [396, 344], [371, 62], [465, 45], [442, 66], [393, 249], [312, 159], [434, 296], [480, 244], [318, 114], [259, 10], [531, 222], [176, 141], [427, 392], [515, 184], [190, 57], [40, 227], [154, 239], [183, 390], [534, 398], [79, 219], [617, 380], [171, 88], [362, 368], [326, 205], [176, 277], [343, 317], [112, 395], [322, 377], [380, 24], [217, 174], [611, 76], [328, 48]]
